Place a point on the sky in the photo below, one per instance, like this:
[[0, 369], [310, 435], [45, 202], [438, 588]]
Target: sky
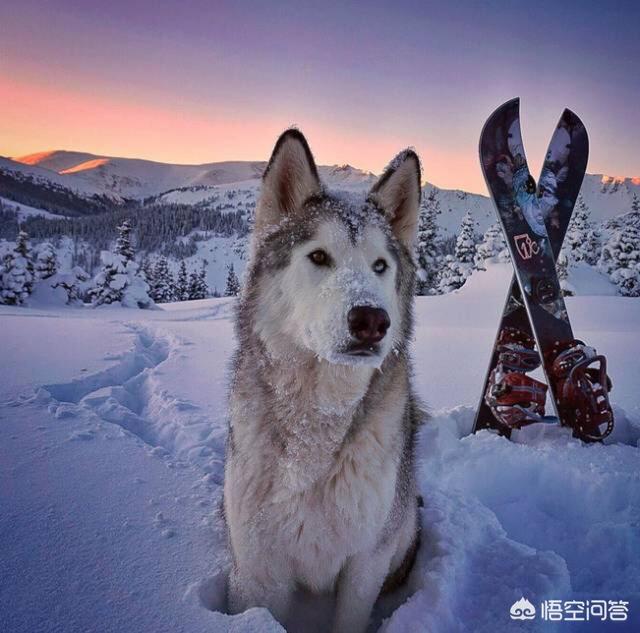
[[203, 81]]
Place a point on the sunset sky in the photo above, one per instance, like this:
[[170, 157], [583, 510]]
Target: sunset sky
[[203, 81]]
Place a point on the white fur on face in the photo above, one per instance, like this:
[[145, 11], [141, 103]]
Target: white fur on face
[[306, 306]]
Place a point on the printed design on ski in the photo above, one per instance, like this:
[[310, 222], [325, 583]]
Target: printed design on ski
[[534, 221]]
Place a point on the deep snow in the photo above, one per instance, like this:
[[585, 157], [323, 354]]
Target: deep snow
[[112, 431]]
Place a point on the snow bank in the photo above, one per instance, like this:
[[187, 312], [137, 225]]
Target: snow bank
[[543, 516]]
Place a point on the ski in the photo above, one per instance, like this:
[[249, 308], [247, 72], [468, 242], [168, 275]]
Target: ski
[[534, 220], [514, 315]]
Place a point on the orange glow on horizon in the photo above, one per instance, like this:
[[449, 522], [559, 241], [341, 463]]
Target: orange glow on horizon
[[36, 116]]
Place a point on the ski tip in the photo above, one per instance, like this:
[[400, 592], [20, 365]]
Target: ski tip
[[501, 117], [579, 138], [507, 106]]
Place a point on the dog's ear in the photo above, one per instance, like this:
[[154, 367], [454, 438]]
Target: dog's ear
[[397, 195], [289, 179]]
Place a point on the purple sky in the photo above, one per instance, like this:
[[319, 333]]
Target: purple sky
[[203, 81]]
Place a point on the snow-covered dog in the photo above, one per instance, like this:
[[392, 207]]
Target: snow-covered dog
[[319, 488]]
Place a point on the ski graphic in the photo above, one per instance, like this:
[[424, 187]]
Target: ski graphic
[[534, 220]]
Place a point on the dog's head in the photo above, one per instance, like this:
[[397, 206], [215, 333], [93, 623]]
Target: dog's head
[[332, 273]]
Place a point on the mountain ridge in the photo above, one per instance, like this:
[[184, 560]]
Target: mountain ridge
[[101, 180]]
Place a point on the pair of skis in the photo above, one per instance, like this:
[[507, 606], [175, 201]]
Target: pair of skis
[[535, 329]]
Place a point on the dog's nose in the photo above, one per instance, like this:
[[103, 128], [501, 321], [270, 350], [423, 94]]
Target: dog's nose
[[367, 324]]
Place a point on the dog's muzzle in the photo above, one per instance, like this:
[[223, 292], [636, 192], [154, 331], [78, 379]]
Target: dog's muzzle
[[367, 326]]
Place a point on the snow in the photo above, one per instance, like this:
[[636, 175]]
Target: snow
[[112, 432], [588, 280]]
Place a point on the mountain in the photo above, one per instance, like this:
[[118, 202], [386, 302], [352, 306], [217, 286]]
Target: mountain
[[83, 176], [96, 177], [136, 178], [49, 191]]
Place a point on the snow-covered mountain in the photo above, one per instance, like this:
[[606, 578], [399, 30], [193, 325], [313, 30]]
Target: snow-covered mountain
[[47, 178], [137, 178], [106, 177]]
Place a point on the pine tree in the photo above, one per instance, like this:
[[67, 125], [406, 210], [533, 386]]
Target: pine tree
[[119, 280], [582, 242], [492, 247], [146, 270], [202, 277], [466, 240], [621, 259], [46, 261], [198, 288], [453, 275], [459, 266], [17, 273], [74, 283], [123, 243], [182, 283], [428, 261], [162, 289], [562, 269], [232, 287]]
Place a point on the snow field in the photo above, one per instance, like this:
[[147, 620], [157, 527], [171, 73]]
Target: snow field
[[112, 432]]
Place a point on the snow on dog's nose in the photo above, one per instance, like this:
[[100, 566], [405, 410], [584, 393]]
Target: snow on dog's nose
[[368, 325]]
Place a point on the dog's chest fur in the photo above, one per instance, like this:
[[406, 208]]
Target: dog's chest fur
[[326, 475]]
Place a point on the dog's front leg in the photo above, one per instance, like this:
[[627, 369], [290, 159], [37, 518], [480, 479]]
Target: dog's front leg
[[250, 588], [358, 587]]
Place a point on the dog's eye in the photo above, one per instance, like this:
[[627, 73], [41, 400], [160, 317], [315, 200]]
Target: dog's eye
[[319, 257], [379, 266]]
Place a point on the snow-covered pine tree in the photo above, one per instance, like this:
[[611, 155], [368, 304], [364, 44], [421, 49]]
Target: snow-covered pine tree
[[202, 277], [198, 288], [182, 283], [75, 283], [466, 240], [17, 274], [427, 257], [492, 247], [459, 266], [562, 268], [46, 264], [582, 243], [119, 280], [146, 269], [103, 292], [162, 288], [232, 287], [621, 259], [123, 242], [194, 286], [452, 276]]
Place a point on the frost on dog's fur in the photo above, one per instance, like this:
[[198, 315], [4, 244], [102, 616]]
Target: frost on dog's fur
[[319, 486]]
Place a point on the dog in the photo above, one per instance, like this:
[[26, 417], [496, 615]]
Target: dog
[[320, 490]]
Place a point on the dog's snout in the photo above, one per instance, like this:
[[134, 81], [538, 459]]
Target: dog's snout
[[367, 324]]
